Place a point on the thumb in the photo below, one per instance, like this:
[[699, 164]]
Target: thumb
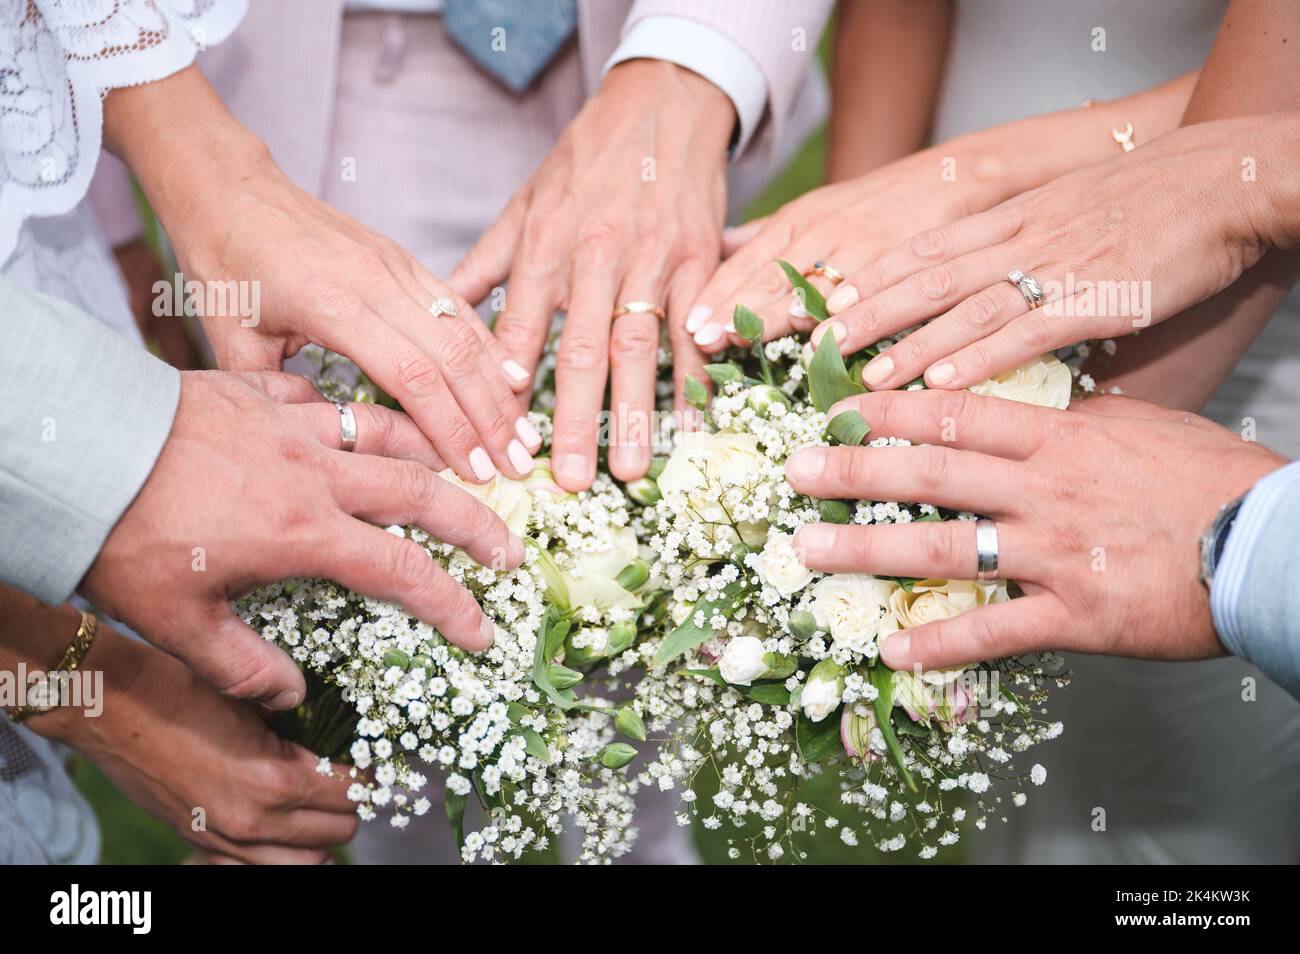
[[488, 263], [234, 660]]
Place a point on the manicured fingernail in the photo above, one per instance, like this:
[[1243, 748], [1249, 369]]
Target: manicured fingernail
[[894, 648], [527, 433], [288, 699], [708, 335], [835, 328], [805, 465], [481, 464], [731, 327], [816, 540], [877, 370], [514, 370], [520, 458], [941, 373], [696, 317], [796, 307], [488, 632], [573, 469], [843, 296]]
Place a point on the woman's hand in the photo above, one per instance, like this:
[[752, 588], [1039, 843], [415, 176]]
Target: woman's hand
[[280, 269], [206, 765], [846, 225], [1115, 247], [627, 207]]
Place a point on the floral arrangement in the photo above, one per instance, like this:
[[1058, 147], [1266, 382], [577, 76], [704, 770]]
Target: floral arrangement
[[683, 598], [390, 696], [767, 674]]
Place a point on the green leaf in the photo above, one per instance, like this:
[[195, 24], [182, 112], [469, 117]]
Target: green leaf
[[535, 745], [769, 693], [848, 428], [828, 379], [817, 740], [882, 677], [548, 641], [748, 325], [721, 374], [813, 302], [687, 636], [557, 591], [697, 395], [455, 806], [915, 729], [835, 511]]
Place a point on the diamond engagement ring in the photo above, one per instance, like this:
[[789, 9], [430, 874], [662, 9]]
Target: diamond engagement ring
[[826, 271], [443, 306], [1028, 286]]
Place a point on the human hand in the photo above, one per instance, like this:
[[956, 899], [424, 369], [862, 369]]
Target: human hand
[[628, 207], [1099, 512], [279, 269], [846, 225], [175, 747], [249, 489], [1116, 247]]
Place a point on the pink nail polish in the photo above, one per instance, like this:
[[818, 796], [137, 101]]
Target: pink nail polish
[[708, 335], [527, 433], [878, 370], [697, 317], [941, 373], [514, 370], [481, 464], [521, 460], [843, 296]]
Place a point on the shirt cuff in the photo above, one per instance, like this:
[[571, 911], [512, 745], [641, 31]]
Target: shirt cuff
[[706, 52], [1252, 524]]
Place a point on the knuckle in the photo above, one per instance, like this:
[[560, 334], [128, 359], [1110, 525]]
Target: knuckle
[[460, 433], [1034, 333], [633, 342], [583, 353], [598, 234], [930, 245], [955, 406], [408, 565], [851, 467], [418, 375], [866, 316], [460, 354], [335, 298], [771, 281], [417, 485], [981, 312], [870, 280], [935, 284], [932, 468], [240, 823]]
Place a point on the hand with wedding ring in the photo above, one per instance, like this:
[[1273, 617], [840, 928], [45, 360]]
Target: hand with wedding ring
[[1099, 253], [253, 486], [627, 210], [1095, 512]]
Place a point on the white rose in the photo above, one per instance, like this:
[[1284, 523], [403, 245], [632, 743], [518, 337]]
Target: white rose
[[854, 609], [508, 499], [779, 565], [742, 660], [695, 471], [822, 692], [1044, 381], [593, 579]]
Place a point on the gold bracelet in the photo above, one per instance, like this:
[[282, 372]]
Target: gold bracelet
[[70, 662]]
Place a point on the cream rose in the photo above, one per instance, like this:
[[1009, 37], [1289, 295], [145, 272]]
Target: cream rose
[[742, 661], [508, 499], [1044, 381], [780, 567], [593, 579], [695, 470], [933, 600], [854, 608]]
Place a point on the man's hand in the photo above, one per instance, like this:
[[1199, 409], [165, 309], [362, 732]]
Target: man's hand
[[1099, 512], [628, 207], [173, 745], [249, 489]]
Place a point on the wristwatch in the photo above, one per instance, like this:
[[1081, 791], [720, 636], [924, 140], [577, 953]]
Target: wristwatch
[[1215, 539]]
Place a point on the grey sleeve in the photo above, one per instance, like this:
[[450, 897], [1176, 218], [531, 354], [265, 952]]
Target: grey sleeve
[[84, 414]]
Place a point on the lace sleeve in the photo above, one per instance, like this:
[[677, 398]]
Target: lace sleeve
[[58, 58]]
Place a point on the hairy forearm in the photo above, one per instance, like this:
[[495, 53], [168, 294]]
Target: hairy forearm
[[885, 74]]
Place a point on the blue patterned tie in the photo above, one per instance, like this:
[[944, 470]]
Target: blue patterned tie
[[511, 39]]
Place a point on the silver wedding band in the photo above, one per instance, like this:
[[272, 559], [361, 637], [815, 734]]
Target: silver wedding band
[[986, 550], [347, 427], [1028, 286], [443, 306]]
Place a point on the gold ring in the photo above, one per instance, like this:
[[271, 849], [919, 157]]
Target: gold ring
[[640, 308], [828, 272]]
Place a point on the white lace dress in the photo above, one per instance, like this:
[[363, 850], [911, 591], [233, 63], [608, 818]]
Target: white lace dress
[[57, 60]]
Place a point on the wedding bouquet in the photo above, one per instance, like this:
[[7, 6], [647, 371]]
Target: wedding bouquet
[[394, 699], [766, 673]]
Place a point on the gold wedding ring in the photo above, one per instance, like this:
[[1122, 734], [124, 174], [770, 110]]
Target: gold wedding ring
[[828, 272], [640, 308]]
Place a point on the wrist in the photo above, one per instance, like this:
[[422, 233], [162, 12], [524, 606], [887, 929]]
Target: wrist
[[656, 85], [115, 662]]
